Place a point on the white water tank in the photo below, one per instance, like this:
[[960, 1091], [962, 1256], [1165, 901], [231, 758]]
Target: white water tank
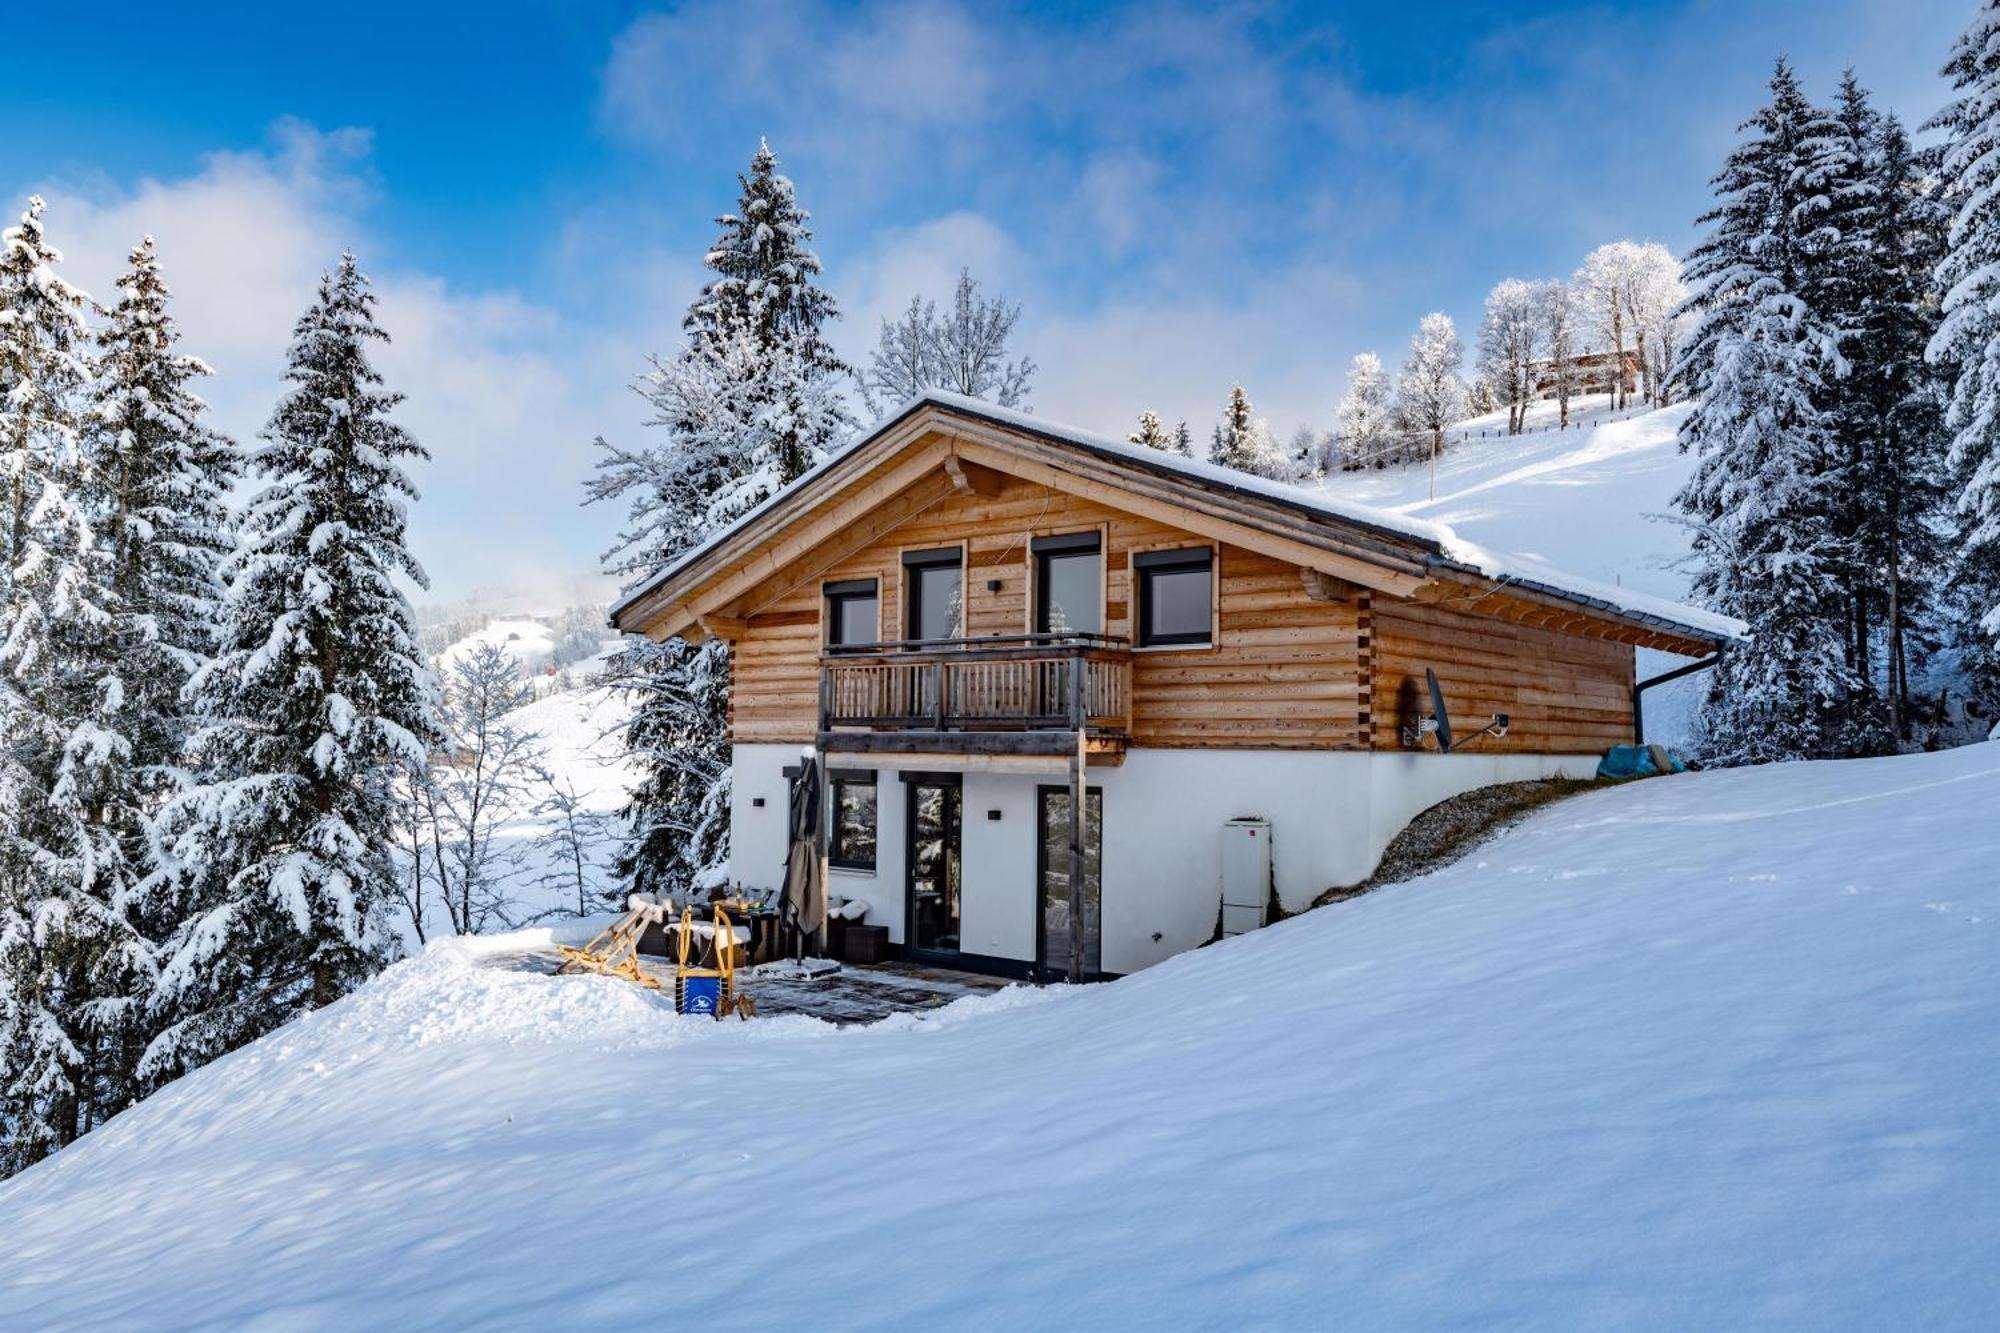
[[1246, 874]]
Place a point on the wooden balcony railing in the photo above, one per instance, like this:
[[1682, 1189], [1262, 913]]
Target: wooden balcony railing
[[1025, 682]]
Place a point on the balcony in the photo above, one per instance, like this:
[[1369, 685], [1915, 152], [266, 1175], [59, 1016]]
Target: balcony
[[1014, 694]]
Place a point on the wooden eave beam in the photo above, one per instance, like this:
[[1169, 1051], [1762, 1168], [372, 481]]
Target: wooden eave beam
[[1526, 606], [972, 478], [729, 628]]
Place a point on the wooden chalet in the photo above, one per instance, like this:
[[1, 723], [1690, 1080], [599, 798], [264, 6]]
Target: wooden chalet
[[1063, 684]]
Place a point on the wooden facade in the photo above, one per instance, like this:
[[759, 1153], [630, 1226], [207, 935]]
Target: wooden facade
[[1321, 631]]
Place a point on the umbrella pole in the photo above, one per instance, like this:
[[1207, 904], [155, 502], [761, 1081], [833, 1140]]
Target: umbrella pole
[[820, 849]]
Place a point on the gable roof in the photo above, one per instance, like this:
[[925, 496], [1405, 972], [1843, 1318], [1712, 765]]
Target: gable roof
[[1404, 551]]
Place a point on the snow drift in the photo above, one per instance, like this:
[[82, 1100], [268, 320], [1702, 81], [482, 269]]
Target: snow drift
[[1713, 1050]]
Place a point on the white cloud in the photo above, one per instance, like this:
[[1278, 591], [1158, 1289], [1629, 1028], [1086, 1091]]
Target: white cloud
[[505, 394]]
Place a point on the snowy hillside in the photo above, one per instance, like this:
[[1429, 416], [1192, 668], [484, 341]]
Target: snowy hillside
[[1590, 500], [524, 642], [1717, 1050]]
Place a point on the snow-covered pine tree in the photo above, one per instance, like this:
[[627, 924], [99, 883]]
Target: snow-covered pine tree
[[749, 403], [1762, 499], [64, 943], [1875, 285], [1904, 440], [1967, 342], [1365, 419], [764, 297], [1243, 442], [161, 480], [166, 476], [277, 866], [1150, 432], [1183, 440]]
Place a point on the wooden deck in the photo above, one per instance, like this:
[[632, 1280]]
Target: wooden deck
[[853, 995]]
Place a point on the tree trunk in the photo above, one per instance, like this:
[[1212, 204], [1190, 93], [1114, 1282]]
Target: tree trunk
[[1898, 685]]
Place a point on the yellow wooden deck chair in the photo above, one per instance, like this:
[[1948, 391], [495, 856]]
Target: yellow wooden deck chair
[[614, 951]]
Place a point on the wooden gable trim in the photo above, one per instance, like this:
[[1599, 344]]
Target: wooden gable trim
[[824, 538], [1202, 524]]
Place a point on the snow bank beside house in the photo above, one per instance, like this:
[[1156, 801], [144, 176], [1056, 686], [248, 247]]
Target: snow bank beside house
[[1715, 1050]]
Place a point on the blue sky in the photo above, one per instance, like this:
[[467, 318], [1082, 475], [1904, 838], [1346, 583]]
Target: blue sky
[[1179, 197]]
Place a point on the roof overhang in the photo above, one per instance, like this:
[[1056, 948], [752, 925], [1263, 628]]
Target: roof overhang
[[940, 445]]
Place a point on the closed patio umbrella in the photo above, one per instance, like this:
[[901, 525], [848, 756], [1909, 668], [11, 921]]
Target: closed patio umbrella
[[805, 892]]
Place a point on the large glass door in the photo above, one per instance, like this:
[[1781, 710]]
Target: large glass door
[[1053, 950], [931, 926]]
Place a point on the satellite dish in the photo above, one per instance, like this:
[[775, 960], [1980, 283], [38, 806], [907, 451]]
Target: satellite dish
[[1439, 717]]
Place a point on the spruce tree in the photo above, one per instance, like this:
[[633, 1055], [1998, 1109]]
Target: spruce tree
[[1967, 342], [1763, 498], [1151, 433], [166, 475], [1892, 418], [55, 931], [749, 403], [278, 864], [1242, 442]]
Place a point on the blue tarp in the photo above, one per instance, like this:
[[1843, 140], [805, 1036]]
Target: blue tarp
[[1639, 761]]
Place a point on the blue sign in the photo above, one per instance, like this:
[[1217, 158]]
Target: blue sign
[[700, 995]]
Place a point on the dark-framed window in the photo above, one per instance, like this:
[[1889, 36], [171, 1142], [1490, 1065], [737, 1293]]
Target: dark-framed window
[[851, 612], [1069, 583], [851, 845], [935, 596], [1176, 593]]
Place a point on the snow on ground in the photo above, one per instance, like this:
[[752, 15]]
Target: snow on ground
[[524, 641], [581, 733], [1718, 1050], [1589, 500]]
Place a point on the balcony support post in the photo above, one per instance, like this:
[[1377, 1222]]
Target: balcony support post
[[1077, 720]]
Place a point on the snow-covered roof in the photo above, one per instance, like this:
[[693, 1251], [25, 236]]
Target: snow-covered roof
[[1443, 546]]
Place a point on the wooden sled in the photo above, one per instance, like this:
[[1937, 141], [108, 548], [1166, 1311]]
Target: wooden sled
[[709, 990]]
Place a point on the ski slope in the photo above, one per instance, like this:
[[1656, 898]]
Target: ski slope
[[1710, 1051]]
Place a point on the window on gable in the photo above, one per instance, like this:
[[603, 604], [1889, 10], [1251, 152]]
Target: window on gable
[[851, 613], [1176, 592], [1069, 584]]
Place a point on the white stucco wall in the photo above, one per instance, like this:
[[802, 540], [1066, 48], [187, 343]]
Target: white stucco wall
[[1332, 814]]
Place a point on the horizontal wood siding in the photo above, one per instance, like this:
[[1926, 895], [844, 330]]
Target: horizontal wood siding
[[1283, 675], [1564, 694], [1287, 671]]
